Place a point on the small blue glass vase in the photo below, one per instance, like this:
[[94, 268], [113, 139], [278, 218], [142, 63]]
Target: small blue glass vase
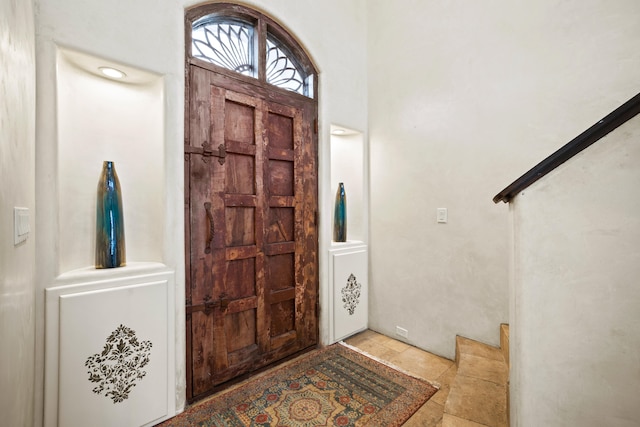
[[110, 248], [340, 216]]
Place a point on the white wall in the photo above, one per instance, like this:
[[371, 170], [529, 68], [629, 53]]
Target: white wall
[[149, 36], [463, 98], [17, 189], [575, 332], [102, 119]]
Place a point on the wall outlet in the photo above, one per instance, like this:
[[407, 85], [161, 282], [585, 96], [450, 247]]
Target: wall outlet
[[402, 332]]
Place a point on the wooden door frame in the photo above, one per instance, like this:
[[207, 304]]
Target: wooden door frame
[[231, 80]]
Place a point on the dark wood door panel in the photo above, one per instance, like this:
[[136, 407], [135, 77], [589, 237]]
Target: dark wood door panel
[[250, 287]]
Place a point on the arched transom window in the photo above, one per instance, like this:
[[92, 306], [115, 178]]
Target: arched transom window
[[244, 41]]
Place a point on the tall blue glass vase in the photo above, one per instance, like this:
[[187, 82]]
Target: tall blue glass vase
[[340, 216], [110, 248]]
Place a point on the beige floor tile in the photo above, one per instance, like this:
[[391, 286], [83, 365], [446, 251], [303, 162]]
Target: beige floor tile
[[427, 416], [360, 337], [422, 364], [475, 348], [477, 400], [379, 338], [441, 396], [445, 381], [396, 345], [377, 350], [448, 376], [452, 421], [483, 368]]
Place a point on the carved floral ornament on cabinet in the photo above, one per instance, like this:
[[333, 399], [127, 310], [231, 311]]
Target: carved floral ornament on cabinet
[[351, 294], [118, 368]]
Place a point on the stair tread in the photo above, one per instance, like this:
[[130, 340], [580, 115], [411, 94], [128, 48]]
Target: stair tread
[[476, 348], [504, 342], [478, 393], [505, 329], [483, 368], [477, 400]]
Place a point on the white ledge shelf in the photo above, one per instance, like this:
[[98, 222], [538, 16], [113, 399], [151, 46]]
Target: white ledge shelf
[[347, 244], [98, 274]]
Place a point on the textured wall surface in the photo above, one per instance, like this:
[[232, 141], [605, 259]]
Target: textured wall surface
[[464, 98], [575, 332], [17, 263]]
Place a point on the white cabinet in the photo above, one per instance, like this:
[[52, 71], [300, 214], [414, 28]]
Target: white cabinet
[[348, 276], [110, 356]]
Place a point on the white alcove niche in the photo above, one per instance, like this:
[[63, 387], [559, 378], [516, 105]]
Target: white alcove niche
[[348, 261], [119, 120], [102, 119], [348, 167]]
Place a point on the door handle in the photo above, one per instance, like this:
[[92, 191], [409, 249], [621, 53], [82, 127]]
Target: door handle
[[207, 248]]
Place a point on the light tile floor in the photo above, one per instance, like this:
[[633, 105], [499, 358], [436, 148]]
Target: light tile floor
[[421, 364]]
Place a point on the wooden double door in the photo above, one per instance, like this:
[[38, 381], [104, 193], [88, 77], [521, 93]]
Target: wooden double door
[[251, 227]]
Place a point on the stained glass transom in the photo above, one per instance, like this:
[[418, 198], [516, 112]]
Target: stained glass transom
[[231, 43], [282, 70], [226, 43]]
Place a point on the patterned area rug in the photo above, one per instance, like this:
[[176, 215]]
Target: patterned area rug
[[334, 386]]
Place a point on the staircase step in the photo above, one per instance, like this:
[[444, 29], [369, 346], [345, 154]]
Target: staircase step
[[478, 394], [504, 342]]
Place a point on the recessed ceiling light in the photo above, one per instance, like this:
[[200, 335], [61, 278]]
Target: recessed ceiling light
[[112, 72]]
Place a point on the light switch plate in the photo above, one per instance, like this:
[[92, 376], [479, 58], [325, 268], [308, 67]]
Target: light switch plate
[[21, 225], [442, 215]]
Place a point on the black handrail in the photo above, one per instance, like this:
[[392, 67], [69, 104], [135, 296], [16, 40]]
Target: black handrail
[[616, 118]]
